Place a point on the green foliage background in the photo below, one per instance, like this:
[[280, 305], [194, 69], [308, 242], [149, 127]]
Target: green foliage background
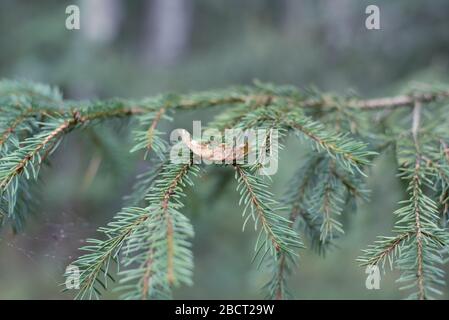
[[230, 43]]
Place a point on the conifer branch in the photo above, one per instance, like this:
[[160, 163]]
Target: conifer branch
[[258, 200], [94, 266], [276, 237], [150, 239], [416, 208], [14, 123], [167, 260], [418, 245], [143, 226], [400, 101], [20, 160]]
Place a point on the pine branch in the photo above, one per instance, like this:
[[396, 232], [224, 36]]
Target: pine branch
[[418, 246], [11, 125], [163, 252], [149, 139], [348, 152], [276, 237], [275, 233], [329, 101], [282, 266], [159, 227], [151, 238], [94, 266]]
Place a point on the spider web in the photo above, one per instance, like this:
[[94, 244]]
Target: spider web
[[53, 243]]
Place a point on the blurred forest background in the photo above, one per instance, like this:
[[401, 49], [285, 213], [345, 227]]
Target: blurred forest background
[[140, 48]]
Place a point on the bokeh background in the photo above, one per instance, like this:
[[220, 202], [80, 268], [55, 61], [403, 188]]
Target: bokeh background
[[139, 48]]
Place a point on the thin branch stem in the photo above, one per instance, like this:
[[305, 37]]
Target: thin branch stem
[[258, 207], [21, 118], [65, 126], [416, 119], [416, 123], [148, 273], [419, 235], [150, 132], [170, 228]]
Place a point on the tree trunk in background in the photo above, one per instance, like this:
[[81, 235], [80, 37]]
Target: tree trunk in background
[[100, 20], [292, 16], [167, 30], [338, 22]]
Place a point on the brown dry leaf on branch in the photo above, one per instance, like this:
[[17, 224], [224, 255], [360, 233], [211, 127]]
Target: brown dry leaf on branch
[[221, 152]]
